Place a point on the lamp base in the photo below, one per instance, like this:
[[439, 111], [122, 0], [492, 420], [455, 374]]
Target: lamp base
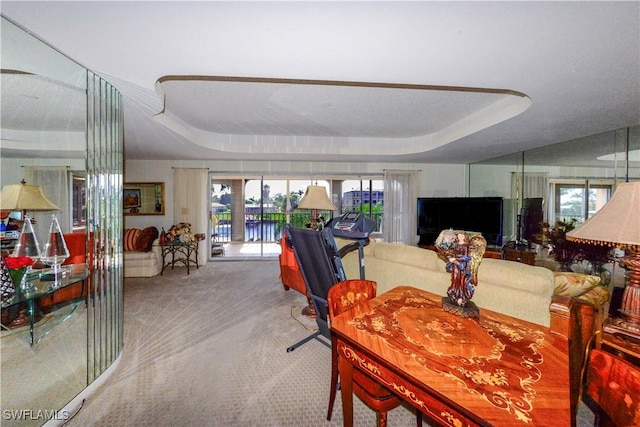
[[620, 326], [309, 311], [630, 317], [630, 307]]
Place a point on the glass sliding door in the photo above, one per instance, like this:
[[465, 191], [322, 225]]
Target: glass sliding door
[[365, 196], [248, 214]]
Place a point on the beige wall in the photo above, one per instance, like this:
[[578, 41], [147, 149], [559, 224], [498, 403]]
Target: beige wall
[[435, 179]]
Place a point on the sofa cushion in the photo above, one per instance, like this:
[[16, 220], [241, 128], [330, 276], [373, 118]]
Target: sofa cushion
[[404, 254], [573, 284], [134, 256], [131, 239], [146, 238]]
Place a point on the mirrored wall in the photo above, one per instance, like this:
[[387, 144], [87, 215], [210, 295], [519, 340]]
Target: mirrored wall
[[59, 119], [544, 176]]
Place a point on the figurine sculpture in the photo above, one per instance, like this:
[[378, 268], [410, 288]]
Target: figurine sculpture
[[463, 253]]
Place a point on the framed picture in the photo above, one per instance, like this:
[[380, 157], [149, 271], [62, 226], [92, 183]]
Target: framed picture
[[143, 198], [131, 198]]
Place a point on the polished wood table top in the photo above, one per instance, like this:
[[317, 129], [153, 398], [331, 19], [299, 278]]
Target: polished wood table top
[[491, 370]]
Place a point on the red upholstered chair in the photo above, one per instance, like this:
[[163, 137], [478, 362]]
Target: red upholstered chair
[[343, 296], [77, 245], [613, 385], [290, 273]]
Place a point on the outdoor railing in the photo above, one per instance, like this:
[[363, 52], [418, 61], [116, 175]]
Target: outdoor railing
[[269, 225]]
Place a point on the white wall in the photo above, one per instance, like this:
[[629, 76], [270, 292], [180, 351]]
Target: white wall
[[435, 179], [12, 169]]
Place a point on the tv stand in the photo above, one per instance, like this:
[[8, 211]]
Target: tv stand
[[524, 255]]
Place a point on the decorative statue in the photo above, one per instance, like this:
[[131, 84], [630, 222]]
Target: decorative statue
[[463, 253]]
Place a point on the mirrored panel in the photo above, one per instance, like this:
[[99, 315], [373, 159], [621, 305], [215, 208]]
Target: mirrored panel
[[535, 180], [43, 141]]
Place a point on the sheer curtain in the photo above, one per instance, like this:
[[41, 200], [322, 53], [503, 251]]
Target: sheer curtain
[[400, 198], [55, 185], [532, 184], [190, 200]]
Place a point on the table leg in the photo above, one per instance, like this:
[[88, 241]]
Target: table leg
[[346, 390], [188, 262], [32, 315]]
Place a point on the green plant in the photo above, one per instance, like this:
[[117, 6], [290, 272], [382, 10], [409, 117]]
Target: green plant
[[567, 252]]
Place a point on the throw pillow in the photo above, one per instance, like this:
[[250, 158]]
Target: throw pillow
[[573, 284], [146, 238], [130, 239]]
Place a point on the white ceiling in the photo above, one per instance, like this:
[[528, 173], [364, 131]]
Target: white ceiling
[[416, 81]]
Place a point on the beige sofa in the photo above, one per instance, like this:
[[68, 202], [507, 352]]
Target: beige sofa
[[518, 290]]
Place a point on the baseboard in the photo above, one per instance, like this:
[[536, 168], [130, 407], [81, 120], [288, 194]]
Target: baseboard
[[75, 405]]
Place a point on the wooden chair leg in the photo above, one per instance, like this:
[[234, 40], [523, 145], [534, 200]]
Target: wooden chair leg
[[418, 418], [382, 418], [334, 376]]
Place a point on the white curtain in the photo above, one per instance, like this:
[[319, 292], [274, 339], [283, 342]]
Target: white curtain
[[400, 203], [55, 185], [190, 200], [532, 184]]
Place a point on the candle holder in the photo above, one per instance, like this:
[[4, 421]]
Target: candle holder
[[55, 253]]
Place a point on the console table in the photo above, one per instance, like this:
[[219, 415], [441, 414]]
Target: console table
[[185, 253], [36, 288]]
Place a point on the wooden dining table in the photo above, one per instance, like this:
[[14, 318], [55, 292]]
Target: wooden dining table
[[493, 370]]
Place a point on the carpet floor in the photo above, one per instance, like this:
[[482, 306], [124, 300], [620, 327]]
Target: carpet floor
[[209, 349]]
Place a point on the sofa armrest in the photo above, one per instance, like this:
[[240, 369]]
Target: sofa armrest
[[156, 248]]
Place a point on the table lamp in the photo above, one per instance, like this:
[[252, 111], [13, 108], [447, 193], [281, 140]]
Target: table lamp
[[23, 197], [617, 224], [316, 198]]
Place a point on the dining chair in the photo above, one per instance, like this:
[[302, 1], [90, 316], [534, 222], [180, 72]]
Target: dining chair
[[344, 296], [612, 389]]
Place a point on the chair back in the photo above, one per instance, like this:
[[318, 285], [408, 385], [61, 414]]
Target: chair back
[[345, 295], [614, 386], [77, 246]]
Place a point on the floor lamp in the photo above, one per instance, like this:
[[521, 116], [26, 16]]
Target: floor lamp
[[617, 224], [316, 199]]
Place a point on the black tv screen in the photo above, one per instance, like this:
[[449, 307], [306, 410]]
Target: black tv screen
[[531, 219], [481, 214]]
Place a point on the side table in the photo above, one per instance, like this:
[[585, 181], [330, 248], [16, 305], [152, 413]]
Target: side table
[[185, 253], [622, 346]]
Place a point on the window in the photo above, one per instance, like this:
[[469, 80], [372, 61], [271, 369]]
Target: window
[[365, 196], [78, 197], [570, 199]]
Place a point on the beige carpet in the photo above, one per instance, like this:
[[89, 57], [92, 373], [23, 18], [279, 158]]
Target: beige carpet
[[209, 349]]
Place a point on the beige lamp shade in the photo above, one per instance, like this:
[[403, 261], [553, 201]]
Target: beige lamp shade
[[617, 223], [315, 197], [24, 197]]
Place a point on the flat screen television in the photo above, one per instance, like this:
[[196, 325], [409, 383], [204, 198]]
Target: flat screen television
[[481, 214]]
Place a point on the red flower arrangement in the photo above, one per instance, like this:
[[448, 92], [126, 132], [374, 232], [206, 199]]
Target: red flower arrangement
[[18, 262], [17, 266]]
